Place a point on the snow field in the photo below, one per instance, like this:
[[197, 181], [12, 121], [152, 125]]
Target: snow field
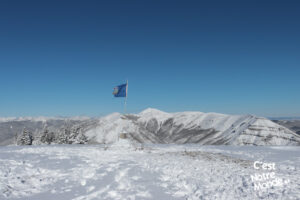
[[124, 171]]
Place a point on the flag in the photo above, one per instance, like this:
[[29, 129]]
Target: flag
[[120, 90]]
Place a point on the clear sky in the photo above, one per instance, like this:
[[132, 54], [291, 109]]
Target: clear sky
[[63, 58]]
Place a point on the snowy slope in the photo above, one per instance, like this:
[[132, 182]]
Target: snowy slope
[[154, 126]]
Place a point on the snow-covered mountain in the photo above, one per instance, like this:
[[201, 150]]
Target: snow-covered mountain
[[155, 126]]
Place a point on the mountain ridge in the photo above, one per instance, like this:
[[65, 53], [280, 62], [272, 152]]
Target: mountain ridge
[[155, 126]]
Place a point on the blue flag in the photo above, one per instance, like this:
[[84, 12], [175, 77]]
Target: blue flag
[[120, 90]]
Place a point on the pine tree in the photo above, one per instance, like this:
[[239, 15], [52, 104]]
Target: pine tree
[[47, 137], [81, 138], [74, 133], [25, 138], [63, 136]]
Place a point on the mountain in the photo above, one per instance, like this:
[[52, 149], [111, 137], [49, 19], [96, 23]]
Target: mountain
[[155, 126]]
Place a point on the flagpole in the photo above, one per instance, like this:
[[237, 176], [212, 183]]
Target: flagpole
[[126, 97]]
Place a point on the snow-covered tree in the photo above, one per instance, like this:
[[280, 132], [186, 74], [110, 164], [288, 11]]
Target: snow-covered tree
[[68, 134], [47, 137], [76, 136], [81, 138], [62, 137], [25, 138]]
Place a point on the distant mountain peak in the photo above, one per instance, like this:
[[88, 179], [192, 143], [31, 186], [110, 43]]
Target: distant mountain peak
[[152, 111]]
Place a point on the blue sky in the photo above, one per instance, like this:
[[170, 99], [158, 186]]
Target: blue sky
[[63, 58]]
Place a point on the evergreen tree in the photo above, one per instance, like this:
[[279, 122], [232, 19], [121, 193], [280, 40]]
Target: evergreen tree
[[47, 137], [80, 137], [63, 136], [25, 138]]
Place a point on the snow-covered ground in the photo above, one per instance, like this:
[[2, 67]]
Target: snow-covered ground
[[127, 171]]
